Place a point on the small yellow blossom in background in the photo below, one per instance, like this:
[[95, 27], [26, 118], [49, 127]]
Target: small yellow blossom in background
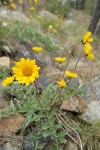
[[36, 1], [10, 0], [50, 27], [37, 49], [60, 59], [71, 74], [4, 3], [69, 51], [58, 25], [87, 38], [20, 1], [32, 8], [26, 71], [61, 83], [12, 5], [39, 17], [8, 81], [54, 30], [30, 16]]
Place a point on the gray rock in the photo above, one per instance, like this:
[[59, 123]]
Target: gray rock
[[92, 91], [75, 82], [47, 14], [42, 82], [92, 97], [13, 145], [4, 62], [28, 143], [1, 148], [51, 73], [10, 15], [68, 21], [74, 104], [92, 112], [27, 52]]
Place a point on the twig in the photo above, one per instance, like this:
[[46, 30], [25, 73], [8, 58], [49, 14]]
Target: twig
[[78, 61], [64, 128], [72, 130], [10, 138]]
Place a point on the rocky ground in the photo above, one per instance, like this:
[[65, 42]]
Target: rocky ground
[[85, 108]]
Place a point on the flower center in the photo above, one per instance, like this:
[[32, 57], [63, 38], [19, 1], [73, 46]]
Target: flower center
[[27, 71]]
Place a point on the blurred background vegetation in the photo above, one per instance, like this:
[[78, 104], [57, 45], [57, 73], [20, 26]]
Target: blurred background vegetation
[[62, 8]]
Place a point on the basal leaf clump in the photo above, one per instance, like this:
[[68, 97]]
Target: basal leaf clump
[[42, 109]]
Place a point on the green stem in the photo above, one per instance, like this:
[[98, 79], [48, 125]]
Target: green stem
[[57, 98], [69, 58], [66, 88], [73, 71]]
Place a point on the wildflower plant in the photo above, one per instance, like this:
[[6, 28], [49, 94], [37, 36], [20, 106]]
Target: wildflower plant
[[42, 108]]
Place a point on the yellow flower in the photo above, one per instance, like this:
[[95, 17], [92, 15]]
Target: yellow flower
[[90, 56], [58, 25], [37, 49], [12, 5], [10, 0], [8, 81], [36, 1], [32, 8], [88, 51], [54, 30], [4, 3], [39, 17], [71, 74], [86, 38], [50, 27], [60, 59], [69, 51], [88, 48], [61, 83], [26, 71]]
